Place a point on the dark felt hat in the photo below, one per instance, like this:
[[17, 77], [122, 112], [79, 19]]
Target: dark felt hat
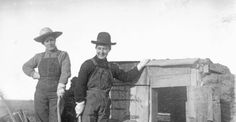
[[103, 38], [45, 32]]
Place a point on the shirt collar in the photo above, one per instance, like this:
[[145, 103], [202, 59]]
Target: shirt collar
[[52, 51], [101, 62]]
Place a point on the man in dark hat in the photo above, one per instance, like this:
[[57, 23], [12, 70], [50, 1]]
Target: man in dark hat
[[95, 82], [53, 73]]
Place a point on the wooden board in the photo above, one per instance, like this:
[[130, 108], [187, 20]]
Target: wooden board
[[200, 105], [154, 105], [169, 77]]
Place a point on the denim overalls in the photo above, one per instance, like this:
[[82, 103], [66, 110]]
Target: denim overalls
[[45, 98], [97, 107]]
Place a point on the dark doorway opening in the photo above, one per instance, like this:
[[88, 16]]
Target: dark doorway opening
[[171, 104]]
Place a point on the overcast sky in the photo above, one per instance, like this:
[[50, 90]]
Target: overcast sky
[[155, 29]]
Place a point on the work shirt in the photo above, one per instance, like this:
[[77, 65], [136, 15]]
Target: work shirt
[[63, 58], [87, 69]]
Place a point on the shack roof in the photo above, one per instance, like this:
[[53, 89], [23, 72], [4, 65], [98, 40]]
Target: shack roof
[[209, 66], [173, 62], [170, 62]]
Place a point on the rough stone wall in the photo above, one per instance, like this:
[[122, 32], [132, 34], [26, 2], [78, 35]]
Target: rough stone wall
[[227, 96], [223, 89], [233, 117]]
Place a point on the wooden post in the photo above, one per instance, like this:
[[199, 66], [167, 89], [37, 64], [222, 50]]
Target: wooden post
[[58, 109], [154, 105]]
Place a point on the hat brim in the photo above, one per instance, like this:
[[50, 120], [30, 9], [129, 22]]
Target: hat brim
[[41, 38], [102, 43]]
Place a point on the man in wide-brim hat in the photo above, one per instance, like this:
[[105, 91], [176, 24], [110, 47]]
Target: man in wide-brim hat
[[53, 73], [95, 81]]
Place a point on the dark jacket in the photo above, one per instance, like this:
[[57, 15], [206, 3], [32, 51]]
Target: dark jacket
[[87, 69]]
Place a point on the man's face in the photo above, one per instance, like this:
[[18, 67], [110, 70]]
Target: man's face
[[102, 51], [50, 43]]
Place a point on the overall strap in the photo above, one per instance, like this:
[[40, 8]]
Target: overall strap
[[109, 65], [110, 72], [94, 62], [58, 53], [43, 55]]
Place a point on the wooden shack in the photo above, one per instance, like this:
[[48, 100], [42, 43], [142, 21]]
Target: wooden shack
[[176, 90]]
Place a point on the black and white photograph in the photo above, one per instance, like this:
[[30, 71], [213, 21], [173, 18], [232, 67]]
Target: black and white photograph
[[117, 60]]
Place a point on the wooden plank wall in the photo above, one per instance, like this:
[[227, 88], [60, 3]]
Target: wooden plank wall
[[169, 76], [130, 103], [200, 105]]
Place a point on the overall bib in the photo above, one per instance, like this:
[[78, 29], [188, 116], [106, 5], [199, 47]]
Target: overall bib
[[45, 98], [97, 107]]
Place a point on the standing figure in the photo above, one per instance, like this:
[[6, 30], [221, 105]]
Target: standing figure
[[95, 81], [53, 73]]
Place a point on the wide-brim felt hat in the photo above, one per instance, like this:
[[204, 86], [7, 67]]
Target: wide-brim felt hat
[[103, 38], [46, 32]]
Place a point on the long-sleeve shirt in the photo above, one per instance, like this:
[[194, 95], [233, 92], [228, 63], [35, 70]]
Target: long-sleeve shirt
[[63, 58], [87, 69]]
